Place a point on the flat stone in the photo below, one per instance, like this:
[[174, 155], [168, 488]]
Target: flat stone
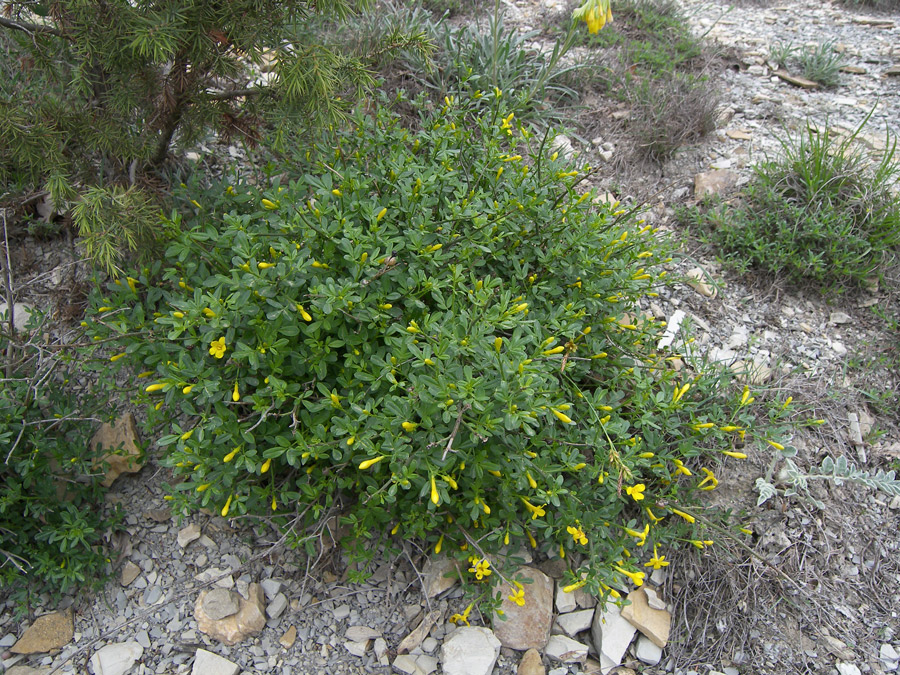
[[566, 650], [738, 134], [220, 603], [357, 648], [214, 573], [646, 651], [531, 664], [470, 650], [362, 633], [290, 636], [839, 318], [575, 622], [116, 659], [654, 623], [714, 182], [892, 71], [847, 668], [796, 80], [526, 626], [565, 602], [611, 635], [439, 574], [406, 664], [414, 639], [426, 664], [653, 599], [277, 606], [249, 620], [21, 315], [130, 572], [889, 657], [158, 515], [380, 647], [207, 663], [51, 631], [697, 279], [271, 587], [188, 534], [122, 443]]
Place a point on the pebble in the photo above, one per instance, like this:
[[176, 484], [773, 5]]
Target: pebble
[[276, 608], [470, 650], [207, 663], [188, 534]]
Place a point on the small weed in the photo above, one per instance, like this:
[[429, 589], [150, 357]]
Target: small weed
[[781, 54], [820, 212], [821, 64]]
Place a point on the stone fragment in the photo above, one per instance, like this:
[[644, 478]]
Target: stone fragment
[[847, 668], [414, 639], [892, 71], [357, 648], [738, 134], [697, 279], [406, 664], [51, 631], [889, 657], [116, 659], [249, 620], [714, 182], [362, 633], [130, 572], [21, 315], [470, 650], [122, 442], [211, 573], [565, 602], [673, 325], [531, 664], [854, 431], [27, 670], [646, 651], [875, 22], [653, 599], [839, 318], [526, 626], [380, 647], [439, 574], [611, 635], [220, 603], [426, 664], [188, 534], [575, 622], [207, 663], [654, 623], [271, 587], [158, 515], [796, 80], [566, 650], [277, 606], [290, 636]]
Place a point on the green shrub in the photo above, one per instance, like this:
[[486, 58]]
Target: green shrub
[[820, 212], [51, 532], [821, 64], [437, 331]]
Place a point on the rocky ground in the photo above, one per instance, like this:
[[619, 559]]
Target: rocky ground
[[816, 591]]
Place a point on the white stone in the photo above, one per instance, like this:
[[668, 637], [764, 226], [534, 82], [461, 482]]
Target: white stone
[[646, 651], [611, 634], [653, 599], [116, 659], [426, 664], [271, 587], [188, 534], [575, 622], [21, 315], [566, 650], [565, 602], [380, 647], [357, 648], [277, 606], [889, 657], [406, 664], [470, 650], [847, 668], [207, 663], [362, 633]]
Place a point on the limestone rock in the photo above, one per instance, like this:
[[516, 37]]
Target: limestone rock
[[531, 664], [116, 659], [207, 663], [188, 534], [470, 650], [647, 652], [439, 574], [121, 440], [575, 622], [713, 182], [611, 634], [249, 620], [698, 281], [289, 638], [526, 626], [566, 650], [21, 315], [27, 670], [130, 572], [361, 633], [220, 603], [796, 80], [654, 623], [51, 631]]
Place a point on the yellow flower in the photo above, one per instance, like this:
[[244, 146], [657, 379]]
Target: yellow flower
[[435, 496], [154, 387], [265, 467], [409, 427], [531, 481], [641, 535], [687, 516], [498, 344], [518, 595], [335, 400], [187, 434], [745, 396], [369, 463], [701, 544], [203, 488], [319, 265], [578, 534], [636, 577], [217, 348], [231, 455], [481, 568], [562, 417], [274, 504], [269, 204], [536, 511], [381, 214], [652, 517], [777, 446], [413, 328], [636, 492], [461, 618], [657, 561], [440, 545], [555, 350], [680, 468], [708, 483], [336, 192], [736, 455], [188, 389], [385, 306], [303, 313], [235, 395], [227, 506], [680, 392]]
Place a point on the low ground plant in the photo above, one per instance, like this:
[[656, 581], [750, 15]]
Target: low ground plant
[[440, 333], [822, 211], [820, 63]]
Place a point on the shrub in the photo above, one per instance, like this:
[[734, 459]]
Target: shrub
[[821, 64], [51, 532], [438, 331], [820, 212]]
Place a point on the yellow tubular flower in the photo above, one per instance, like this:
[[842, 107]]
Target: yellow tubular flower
[[555, 350], [440, 544], [409, 427], [116, 357], [265, 467], [381, 214], [154, 387], [227, 506], [217, 348], [562, 417], [777, 446], [231, 455], [637, 578], [498, 344], [188, 389], [636, 492], [531, 481], [435, 496], [235, 395], [657, 561], [518, 595], [736, 455], [264, 265], [680, 468], [687, 516], [708, 483], [369, 463], [578, 535]]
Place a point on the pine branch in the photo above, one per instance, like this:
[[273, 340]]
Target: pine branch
[[32, 28]]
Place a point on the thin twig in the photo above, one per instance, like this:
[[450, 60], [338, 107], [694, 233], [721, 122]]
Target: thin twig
[[455, 431]]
